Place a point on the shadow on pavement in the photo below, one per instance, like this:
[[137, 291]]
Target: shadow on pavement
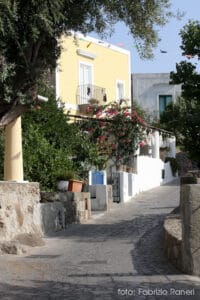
[[148, 255], [144, 233], [175, 182], [103, 290]]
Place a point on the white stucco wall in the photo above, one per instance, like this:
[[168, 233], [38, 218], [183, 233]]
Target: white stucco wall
[[149, 175], [146, 88], [149, 171]]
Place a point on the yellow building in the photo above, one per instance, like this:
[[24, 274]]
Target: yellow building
[[92, 70]]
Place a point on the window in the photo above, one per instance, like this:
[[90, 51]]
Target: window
[[85, 82], [120, 92], [164, 100]]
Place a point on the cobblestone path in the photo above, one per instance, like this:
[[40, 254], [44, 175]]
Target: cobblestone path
[[115, 256]]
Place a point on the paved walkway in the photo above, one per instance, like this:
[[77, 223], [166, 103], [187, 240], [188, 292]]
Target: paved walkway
[[116, 256]]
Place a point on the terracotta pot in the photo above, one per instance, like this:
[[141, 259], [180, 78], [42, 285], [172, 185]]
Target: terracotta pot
[[75, 186]]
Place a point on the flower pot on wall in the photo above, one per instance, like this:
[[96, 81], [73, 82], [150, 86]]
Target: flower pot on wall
[[62, 185], [75, 186]]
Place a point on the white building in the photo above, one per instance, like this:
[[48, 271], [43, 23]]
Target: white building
[[153, 92]]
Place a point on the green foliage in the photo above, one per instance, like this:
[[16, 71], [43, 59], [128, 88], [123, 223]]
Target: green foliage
[[52, 147], [86, 154], [190, 35], [30, 33], [51, 121], [183, 117], [186, 74], [41, 158], [64, 174]]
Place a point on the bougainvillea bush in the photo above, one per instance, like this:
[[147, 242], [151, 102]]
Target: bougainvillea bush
[[116, 130]]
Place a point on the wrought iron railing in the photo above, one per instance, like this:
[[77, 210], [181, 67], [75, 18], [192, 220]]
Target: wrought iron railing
[[89, 93]]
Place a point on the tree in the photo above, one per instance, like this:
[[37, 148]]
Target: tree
[[52, 145], [30, 34], [183, 117]]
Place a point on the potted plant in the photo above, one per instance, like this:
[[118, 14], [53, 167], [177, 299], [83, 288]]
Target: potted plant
[[62, 179], [75, 185]]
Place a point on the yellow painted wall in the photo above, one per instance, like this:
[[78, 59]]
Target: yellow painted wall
[[108, 67]]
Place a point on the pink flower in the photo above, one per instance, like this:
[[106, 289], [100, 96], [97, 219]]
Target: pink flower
[[126, 114], [102, 138], [98, 114], [134, 114], [111, 112], [141, 121], [142, 144], [114, 112]]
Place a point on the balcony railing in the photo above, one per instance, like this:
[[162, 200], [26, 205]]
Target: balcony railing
[[89, 93]]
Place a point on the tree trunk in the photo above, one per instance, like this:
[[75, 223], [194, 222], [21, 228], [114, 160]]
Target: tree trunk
[[13, 114]]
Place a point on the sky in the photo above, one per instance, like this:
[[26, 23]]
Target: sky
[[170, 41]]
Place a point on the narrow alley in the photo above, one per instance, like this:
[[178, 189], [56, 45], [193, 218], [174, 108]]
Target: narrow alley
[[117, 255]]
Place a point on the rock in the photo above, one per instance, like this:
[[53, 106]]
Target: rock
[[12, 247], [18, 201], [49, 197], [30, 239], [185, 163]]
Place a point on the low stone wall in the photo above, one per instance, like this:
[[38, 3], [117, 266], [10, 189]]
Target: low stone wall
[[77, 206], [62, 208], [26, 216], [173, 240], [18, 202], [182, 232], [190, 215], [50, 217]]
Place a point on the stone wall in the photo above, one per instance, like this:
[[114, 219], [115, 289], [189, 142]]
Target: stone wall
[[67, 207], [185, 163], [24, 218], [50, 217], [173, 240], [17, 204], [182, 232], [190, 215]]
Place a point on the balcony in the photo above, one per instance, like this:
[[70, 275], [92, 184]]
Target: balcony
[[88, 94]]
